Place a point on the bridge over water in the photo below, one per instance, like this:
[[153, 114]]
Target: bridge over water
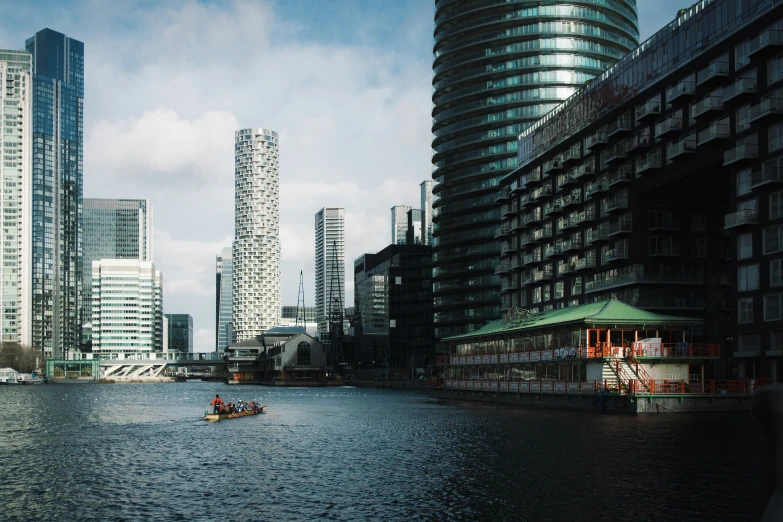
[[142, 366]]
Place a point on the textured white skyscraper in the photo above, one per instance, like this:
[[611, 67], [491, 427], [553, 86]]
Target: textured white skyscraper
[[329, 264], [256, 249], [399, 223], [16, 201], [426, 208]]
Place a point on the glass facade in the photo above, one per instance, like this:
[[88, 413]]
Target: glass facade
[[426, 208], [16, 115], [498, 66], [329, 264], [57, 168], [180, 333], [289, 312], [399, 224], [113, 229], [224, 309]]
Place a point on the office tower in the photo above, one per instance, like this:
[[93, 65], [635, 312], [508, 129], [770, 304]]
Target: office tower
[[289, 312], [256, 250], [16, 190], [113, 229], [179, 333], [414, 234], [497, 68], [58, 105], [225, 302], [426, 208], [399, 223], [329, 264], [127, 310]]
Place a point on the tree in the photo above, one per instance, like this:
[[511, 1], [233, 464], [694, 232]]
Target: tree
[[21, 358]]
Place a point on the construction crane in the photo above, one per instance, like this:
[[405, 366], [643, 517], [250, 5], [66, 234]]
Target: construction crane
[[301, 299], [335, 357]]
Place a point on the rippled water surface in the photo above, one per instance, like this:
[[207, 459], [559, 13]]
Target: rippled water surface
[[142, 452]]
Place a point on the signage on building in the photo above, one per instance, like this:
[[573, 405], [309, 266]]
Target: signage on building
[[562, 353], [518, 316]]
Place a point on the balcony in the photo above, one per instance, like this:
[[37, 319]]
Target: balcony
[[552, 207], [651, 108], [507, 284], [596, 187], [682, 89], [595, 235], [639, 276], [664, 223], [517, 224], [741, 218], [502, 231], [574, 198], [768, 175], [542, 233], [525, 279], [555, 164], [622, 124], [502, 268], [516, 262], [532, 177], [705, 106], [541, 192], [565, 267], [621, 175], [564, 223], [596, 140], [614, 203], [740, 89], [542, 275], [648, 162], [525, 239], [584, 263], [572, 154], [503, 195], [712, 72], [640, 140], [671, 124], [767, 109], [531, 258], [567, 245], [623, 226], [532, 217], [565, 179], [769, 41], [584, 216], [615, 253], [582, 170], [717, 131], [507, 210], [507, 248], [549, 251], [617, 153], [683, 147], [525, 200], [669, 250], [742, 152]]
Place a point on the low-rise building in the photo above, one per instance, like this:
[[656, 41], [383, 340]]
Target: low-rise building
[[278, 357]]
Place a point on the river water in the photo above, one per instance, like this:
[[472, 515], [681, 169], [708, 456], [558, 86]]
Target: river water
[[142, 452]]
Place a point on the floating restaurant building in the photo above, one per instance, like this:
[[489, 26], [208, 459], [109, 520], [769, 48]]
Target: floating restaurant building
[[659, 184]]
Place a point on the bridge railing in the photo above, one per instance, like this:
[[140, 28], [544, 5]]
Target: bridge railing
[[157, 356]]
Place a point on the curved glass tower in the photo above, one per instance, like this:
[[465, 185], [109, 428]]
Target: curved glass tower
[[498, 66]]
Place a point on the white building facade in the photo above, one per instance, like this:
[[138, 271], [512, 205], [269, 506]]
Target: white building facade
[[16, 200], [329, 264], [399, 223], [256, 248], [426, 208], [224, 305], [127, 306]]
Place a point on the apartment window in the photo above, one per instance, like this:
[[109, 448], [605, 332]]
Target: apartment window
[[775, 69], [523, 298], [547, 292], [773, 309], [749, 342], [537, 295], [558, 290], [576, 286], [776, 272], [775, 137], [698, 222], [776, 205], [743, 182], [772, 239], [748, 278], [699, 247], [745, 310], [745, 246], [743, 114], [776, 341], [663, 246]]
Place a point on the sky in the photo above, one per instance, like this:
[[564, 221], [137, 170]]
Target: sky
[[346, 84]]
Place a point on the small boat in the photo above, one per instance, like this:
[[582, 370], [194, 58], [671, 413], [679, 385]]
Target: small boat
[[214, 417], [29, 378]]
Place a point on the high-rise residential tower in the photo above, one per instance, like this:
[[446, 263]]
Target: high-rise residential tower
[[500, 65], [57, 171], [399, 223], [127, 306], [256, 249], [113, 229], [224, 278], [426, 208], [329, 264], [16, 190]]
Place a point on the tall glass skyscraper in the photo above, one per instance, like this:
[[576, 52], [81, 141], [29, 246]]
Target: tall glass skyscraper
[[399, 224], [113, 229], [498, 66], [256, 249], [426, 208], [224, 312], [15, 189], [58, 108], [329, 264]]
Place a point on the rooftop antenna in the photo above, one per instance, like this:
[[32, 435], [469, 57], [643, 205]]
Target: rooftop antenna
[[300, 299]]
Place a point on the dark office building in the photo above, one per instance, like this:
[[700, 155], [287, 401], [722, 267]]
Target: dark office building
[[58, 137], [414, 235], [500, 65], [180, 333], [659, 184], [393, 309]]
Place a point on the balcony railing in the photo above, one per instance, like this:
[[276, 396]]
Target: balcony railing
[[582, 170], [621, 175], [685, 146], [712, 71], [615, 253], [672, 124], [717, 131], [502, 268], [532, 217], [622, 124], [596, 139], [541, 192], [614, 203], [639, 276], [553, 164], [651, 108], [572, 154], [742, 87], [640, 140], [710, 103], [532, 258], [596, 234], [565, 268], [583, 216], [740, 218], [768, 175], [503, 195], [584, 263], [648, 162], [768, 41], [542, 275], [684, 88], [768, 108], [597, 186], [555, 205], [742, 152], [618, 152], [542, 233], [565, 179], [502, 231]]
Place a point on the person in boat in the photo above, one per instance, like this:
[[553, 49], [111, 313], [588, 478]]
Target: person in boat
[[241, 406], [217, 403]]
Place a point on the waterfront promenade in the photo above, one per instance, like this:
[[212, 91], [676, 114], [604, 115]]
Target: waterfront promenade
[[142, 452]]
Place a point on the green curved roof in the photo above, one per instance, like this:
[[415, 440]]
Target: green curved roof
[[601, 314]]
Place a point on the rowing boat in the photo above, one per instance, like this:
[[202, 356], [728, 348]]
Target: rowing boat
[[214, 417]]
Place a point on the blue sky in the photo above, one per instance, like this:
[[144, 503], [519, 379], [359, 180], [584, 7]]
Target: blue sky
[[346, 83]]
